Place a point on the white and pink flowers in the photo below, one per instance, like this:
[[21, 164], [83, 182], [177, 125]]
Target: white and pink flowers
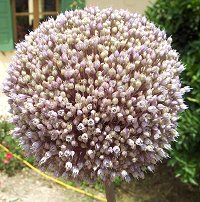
[[96, 93]]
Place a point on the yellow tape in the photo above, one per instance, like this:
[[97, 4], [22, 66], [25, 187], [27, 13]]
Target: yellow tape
[[52, 178]]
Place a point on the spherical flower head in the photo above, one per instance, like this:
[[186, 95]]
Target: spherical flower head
[[96, 94]]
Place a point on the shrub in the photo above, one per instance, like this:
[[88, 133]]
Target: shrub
[[8, 163], [181, 19]]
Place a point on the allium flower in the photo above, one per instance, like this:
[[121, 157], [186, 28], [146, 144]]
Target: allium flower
[[96, 93]]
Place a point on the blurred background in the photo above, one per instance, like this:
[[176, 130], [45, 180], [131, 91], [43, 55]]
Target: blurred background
[[178, 178]]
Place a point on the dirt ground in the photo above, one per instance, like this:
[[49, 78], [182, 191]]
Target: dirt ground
[[28, 186], [160, 186]]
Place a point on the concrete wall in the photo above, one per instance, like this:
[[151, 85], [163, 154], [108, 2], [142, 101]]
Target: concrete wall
[[137, 6], [5, 58]]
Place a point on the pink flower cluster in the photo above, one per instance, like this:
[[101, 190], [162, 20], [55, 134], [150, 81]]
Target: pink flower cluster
[[96, 94], [8, 158]]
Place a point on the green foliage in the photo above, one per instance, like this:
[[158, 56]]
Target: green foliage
[[181, 20], [10, 165], [98, 185], [77, 4]]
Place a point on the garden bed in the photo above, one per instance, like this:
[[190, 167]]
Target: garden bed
[[28, 186]]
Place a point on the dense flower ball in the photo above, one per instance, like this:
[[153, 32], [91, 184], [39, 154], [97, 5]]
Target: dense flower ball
[[96, 94]]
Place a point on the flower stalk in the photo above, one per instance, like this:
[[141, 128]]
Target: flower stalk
[[110, 192]]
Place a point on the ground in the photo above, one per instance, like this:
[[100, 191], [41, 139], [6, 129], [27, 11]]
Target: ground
[[160, 186], [28, 186]]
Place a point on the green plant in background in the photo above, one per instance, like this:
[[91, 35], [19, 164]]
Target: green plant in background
[[181, 19], [8, 163], [77, 4], [72, 5]]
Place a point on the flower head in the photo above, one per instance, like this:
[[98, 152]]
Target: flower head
[[96, 93], [5, 162], [9, 156]]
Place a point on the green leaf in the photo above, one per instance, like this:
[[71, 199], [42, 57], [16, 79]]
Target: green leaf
[[193, 181], [193, 100]]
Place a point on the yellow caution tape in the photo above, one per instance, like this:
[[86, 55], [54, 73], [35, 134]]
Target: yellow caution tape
[[52, 178]]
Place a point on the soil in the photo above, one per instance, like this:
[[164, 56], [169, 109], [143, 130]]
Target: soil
[[28, 186], [160, 186]]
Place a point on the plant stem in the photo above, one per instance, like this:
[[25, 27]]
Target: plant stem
[[110, 193]]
